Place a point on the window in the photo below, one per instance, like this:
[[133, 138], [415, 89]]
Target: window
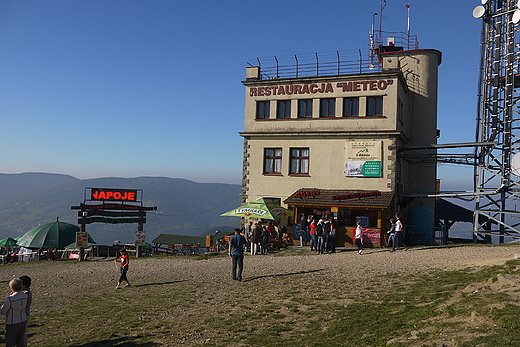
[[350, 107], [374, 106], [305, 108], [327, 107], [262, 109], [272, 161], [283, 109], [299, 161]]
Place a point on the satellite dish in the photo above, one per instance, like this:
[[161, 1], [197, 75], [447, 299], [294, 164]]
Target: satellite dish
[[518, 4], [484, 2], [516, 16], [515, 165], [479, 12], [371, 66]]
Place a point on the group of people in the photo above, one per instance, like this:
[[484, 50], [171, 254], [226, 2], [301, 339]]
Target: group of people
[[14, 254], [396, 234], [321, 232], [261, 235], [17, 310], [9, 255], [49, 254]]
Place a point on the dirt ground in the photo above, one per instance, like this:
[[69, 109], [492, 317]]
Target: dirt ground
[[300, 271]]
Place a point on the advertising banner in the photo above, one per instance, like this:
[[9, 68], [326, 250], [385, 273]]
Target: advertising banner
[[370, 236], [139, 238], [363, 158], [81, 239]]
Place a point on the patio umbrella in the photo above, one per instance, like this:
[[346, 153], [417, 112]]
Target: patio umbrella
[[260, 208], [8, 242], [51, 235]]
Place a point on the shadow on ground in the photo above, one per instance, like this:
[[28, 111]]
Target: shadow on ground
[[118, 342], [282, 275]]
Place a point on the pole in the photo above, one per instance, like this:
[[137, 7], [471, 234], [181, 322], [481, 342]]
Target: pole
[[408, 32], [82, 228]]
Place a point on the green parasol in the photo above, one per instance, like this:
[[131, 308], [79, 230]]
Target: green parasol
[[260, 208], [8, 242], [51, 235]]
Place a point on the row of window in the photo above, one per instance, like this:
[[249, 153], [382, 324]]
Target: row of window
[[374, 108], [298, 163]]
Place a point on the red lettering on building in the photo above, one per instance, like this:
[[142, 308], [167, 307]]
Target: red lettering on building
[[315, 88], [356, 196], [307, 193]]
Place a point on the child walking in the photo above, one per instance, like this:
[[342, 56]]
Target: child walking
[[123, 269]]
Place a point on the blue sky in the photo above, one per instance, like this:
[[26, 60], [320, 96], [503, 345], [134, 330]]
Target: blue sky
[[153, 88]]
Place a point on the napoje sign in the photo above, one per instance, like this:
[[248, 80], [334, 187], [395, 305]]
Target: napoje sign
[[113, 194]]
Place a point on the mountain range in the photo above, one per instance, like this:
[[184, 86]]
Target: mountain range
[[184, 207]]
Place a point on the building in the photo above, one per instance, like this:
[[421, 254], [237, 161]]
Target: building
[[327, 145]]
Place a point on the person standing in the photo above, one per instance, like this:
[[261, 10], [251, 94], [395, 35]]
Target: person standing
[[237, 244], [14, 310], [265, 237], [398, 236], [332, 237], [391, 235], [255, 239], [303, 230], [320, 231], [248, 231], [26, 288], [123, 268], [314, 237], [358, 237]]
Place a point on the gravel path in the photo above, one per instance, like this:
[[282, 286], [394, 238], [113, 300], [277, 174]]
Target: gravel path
[[65, 276]]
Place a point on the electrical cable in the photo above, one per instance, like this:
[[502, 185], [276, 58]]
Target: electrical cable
[[191, 214]]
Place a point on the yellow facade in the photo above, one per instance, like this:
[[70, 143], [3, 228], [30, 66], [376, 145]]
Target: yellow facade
[[311, 122]]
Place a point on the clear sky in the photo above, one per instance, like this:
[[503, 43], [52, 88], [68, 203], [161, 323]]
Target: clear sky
[[132, 88]]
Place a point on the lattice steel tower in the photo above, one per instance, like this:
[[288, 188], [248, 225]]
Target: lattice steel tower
[[497, 185]]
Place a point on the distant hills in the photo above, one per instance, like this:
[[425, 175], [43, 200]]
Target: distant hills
[[183, 207]]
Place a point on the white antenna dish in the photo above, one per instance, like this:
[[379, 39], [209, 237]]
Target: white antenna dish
[[518, 4], [515, 165], [479, 12], [516, 16], [484, 2]]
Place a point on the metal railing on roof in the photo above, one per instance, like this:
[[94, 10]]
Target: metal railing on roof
[[331, 63]]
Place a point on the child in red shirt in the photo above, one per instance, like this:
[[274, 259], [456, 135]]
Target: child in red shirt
[[123, 269]]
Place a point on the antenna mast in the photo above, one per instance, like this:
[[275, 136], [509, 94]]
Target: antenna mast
[[498, 122]]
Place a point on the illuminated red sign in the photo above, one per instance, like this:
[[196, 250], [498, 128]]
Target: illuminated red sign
[[113, 194]]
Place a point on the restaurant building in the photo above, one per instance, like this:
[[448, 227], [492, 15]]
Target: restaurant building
[[327, 145]]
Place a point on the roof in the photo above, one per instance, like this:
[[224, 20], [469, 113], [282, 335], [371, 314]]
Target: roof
[[179, 239], [340, 198]]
